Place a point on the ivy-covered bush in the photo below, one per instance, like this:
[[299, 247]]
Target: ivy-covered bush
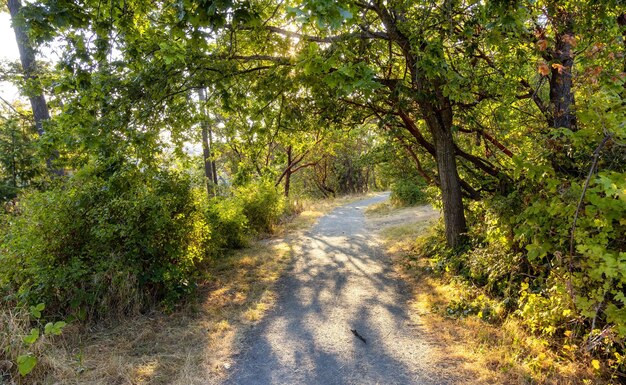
[[521, 251], [105, 243], [590, 277]]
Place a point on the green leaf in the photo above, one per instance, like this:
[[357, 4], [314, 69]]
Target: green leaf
[[26, 363], [347, 15], [54, 328], [294, 11], [35, 311], [32, 337]]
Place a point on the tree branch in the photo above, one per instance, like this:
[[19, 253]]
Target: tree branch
[[363, 34]]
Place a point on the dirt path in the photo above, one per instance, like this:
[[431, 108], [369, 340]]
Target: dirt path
[[340, 281]]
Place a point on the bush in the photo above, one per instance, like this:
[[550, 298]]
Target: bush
[[408, 192], [262, 204], [229, 225], [97, 245]]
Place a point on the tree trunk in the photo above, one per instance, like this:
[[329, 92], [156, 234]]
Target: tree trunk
[[438, 117], [213, 167], [287, 183], [561, 82], [288, 172], [439, 124], [206, 146], [38, 104], [437, 111], [562, 111], [621, 21]]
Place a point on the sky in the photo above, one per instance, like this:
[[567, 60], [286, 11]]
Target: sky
[[8, 51]]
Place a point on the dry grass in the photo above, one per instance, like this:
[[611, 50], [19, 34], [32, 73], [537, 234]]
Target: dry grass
[[194, 345], [382, 208], [310, 210], [15, 324], [486, 353]]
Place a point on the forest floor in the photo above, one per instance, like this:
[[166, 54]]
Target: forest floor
[[195, 343], [487, 353], [282, 311], [342, 282]]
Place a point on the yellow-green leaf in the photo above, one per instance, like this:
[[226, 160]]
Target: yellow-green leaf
[[595, 364]]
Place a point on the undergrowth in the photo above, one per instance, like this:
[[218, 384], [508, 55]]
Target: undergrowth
[[189, 343], [480, 301]]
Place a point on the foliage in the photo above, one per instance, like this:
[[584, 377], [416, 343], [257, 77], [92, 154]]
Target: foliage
[[18, 160], [408, 192], [519, 255], [25, 337], [512, 111], [229, 224], [95, 246], [262, 205]]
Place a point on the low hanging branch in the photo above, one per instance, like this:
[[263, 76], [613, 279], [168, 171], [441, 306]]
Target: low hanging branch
[[418, 164], [3, 100], [298, 159], [483, 132]]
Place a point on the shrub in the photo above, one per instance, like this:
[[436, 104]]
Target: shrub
[[408, 192], [96, 245], [262, 204], [229, 224]]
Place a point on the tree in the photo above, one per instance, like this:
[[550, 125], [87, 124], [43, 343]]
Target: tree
[[37, 99], [210, 172]]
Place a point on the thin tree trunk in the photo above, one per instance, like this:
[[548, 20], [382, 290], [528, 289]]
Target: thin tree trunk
[[206, 146], [287, 183], [213, 167], [621, 21], [41, 114], [288, 171], [13, 160]]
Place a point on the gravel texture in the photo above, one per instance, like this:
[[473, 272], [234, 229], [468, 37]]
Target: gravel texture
[[340, 281]]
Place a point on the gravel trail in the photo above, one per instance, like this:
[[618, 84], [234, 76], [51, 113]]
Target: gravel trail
[[340, 281]]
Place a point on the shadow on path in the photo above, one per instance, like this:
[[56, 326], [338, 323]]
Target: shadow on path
[[340, 281]]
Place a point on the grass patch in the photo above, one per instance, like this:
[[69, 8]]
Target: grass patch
[[193, 345], [468, 327], [382, 208]]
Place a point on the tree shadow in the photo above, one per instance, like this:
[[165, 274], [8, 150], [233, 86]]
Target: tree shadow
[[340, 282]]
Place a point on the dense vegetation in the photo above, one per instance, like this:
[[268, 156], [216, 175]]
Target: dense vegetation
[[167, 133]]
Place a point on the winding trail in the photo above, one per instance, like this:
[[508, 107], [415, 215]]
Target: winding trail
[[340, 281]]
